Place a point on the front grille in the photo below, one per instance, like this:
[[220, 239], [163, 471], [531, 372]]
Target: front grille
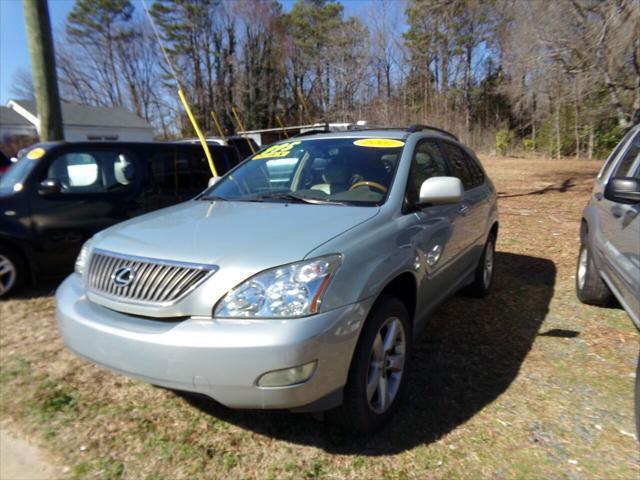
[[152, 281]]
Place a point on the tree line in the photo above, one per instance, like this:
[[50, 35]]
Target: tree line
[[560, 78]]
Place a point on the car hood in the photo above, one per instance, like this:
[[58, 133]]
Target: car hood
[[249, 234], [241, 238]]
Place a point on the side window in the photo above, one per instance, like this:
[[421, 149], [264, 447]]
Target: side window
[[427, 162], [630, 158], [162, 172], [200, 171], [611, 160], [477, 174], [93, 171], [460, 165]]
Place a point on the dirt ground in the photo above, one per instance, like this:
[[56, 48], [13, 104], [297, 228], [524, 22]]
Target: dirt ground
[[528, 383], [19, 460]]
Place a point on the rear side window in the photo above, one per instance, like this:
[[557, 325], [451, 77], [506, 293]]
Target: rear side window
[[183, 172], [428, 162], [96, 171], [463, 166], [224, 159], [244, 146]]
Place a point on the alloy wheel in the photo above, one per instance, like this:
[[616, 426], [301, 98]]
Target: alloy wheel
[[8, 274], [487, 271], [582, 267], [386, 365]]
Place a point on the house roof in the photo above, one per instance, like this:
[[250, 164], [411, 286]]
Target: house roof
[[86, 115], [10, 117]]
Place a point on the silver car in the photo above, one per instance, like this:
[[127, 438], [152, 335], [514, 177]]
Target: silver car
[[296, 281], [609, 258]]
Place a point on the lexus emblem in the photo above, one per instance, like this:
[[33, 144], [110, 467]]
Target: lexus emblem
[[123, 276]]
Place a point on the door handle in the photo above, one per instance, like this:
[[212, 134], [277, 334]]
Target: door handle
[[463, 210]]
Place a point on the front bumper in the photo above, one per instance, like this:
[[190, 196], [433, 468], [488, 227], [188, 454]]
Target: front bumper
[[220, 358]]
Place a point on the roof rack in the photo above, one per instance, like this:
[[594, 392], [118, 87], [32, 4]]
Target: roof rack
[[355, 128], [419, 128], [312, 131]]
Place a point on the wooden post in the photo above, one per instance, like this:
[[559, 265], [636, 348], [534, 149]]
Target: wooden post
[[43, 68]]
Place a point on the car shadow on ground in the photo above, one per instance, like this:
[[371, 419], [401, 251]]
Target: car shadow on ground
[[470, 353], [565, 186]]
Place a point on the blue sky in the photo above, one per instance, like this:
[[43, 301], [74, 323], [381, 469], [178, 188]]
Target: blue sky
[[14, 53]]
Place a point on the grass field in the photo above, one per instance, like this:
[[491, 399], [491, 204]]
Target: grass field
[[528, 383]]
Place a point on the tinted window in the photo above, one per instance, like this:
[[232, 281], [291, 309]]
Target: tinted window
[[631, 155], [427, 162], [463, 166], [93, 171], [162, 172], [244, 146]]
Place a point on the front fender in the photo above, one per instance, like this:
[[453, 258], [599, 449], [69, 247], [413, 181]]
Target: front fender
[[373, 255]]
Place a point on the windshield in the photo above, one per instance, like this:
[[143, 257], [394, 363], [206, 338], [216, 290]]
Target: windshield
[[353, 171], [16, 174]]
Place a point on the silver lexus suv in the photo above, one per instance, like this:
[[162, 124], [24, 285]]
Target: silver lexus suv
[[296, 281]]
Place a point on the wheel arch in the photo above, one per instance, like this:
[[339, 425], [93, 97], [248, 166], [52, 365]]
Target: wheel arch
[[405, 288], [494, 229], [584, 230], [31, 273]]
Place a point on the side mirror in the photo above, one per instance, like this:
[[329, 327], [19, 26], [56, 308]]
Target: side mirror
[[213, 181], [49, 186], [623, 190], [441, 191]]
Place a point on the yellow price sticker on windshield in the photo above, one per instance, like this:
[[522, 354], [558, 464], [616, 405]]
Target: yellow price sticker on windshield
[[36, 153], [276, 151], [378, 143]]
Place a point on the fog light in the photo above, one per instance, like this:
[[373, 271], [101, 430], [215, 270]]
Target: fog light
[[287, 376]]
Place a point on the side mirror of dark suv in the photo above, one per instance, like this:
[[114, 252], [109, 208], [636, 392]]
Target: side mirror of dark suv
[[49, 186], [623, 190]]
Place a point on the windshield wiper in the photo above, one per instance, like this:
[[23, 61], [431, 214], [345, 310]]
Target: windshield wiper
[[213, 198], [292, 197]]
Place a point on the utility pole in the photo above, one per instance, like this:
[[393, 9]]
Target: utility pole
[[43, 68]]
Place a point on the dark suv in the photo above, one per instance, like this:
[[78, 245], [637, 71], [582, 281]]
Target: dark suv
[[59, 194]]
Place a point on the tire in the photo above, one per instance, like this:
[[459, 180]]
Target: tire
[[362, 412], [590, 288], [483, 276], [13, 271]]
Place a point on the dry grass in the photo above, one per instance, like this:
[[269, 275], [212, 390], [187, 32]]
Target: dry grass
[[526, 384]]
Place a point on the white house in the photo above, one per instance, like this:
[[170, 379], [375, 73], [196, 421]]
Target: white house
[[14, 125], [80, 122]]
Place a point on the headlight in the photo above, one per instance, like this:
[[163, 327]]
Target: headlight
[[83, 257], [293, 290]]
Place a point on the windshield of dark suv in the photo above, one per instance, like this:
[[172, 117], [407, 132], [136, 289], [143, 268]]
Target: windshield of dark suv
[[353, 171], [16, 175]]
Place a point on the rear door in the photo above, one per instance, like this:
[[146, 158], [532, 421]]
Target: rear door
[[620, 230], [98, 183]]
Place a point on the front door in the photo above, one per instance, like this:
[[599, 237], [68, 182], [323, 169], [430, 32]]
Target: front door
[[434, 231], [474, 210], [97, 185], [620, 230]]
